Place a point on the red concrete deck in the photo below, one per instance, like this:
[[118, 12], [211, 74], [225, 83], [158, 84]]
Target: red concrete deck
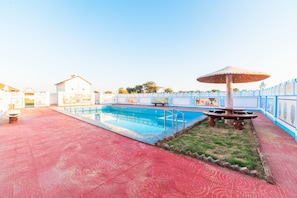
[[48, 154]]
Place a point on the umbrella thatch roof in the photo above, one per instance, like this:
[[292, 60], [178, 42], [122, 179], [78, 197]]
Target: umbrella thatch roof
[[239, 75], [7, 88], [230, 75]]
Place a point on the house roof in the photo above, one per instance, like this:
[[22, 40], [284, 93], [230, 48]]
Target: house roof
[[10, 89], [72, 77]]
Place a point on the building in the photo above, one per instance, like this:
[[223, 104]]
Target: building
[[75, 84], [74, 91]]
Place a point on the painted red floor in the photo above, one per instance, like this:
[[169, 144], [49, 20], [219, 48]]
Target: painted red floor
[[48, 154]]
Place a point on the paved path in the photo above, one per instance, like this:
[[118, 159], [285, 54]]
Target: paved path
[[48, 154], [281, 152]]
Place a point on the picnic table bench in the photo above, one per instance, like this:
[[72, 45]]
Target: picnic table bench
[[230, 111], [160, 100], [13, 115], [162, 103], [217, 111], [238, 118]]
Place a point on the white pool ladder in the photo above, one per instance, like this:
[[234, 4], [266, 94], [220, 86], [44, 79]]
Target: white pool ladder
[[174, 117]]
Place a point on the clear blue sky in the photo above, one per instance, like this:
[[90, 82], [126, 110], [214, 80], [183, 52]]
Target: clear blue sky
[[123, 43]]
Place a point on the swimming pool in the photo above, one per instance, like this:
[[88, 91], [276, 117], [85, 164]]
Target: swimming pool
[[144, 124]]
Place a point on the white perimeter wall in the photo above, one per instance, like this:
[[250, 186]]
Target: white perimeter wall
[[181, 101], [246, 102]]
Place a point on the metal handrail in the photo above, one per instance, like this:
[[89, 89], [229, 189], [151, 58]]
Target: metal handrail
[[165, 110], [183, 118], [174, 118]]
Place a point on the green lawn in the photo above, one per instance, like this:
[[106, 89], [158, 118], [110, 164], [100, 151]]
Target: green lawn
[[221, 142]]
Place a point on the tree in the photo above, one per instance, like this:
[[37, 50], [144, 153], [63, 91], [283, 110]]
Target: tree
[[168, 90], [131, 90], [215, 90], [150, 87], [122, 90], [191, 91], [235, 89], [139, 88]]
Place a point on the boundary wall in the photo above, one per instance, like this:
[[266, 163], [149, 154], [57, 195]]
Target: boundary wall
[[278, 103], [41, 99]]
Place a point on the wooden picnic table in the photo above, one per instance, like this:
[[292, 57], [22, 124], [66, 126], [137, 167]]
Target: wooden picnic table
[[156, 103], [238, 118], [217, 111], [230, 110], [13, 115]]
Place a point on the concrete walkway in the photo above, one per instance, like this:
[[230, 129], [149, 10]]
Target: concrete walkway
[[48, 154], [281, 151]]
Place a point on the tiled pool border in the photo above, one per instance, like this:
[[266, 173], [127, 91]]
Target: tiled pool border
[[149, 139]]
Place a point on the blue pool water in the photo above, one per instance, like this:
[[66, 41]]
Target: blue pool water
[[144, 124]]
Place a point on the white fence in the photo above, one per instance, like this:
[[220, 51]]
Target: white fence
[[4, 102], [279, 103], [280, 109], [18, 99]]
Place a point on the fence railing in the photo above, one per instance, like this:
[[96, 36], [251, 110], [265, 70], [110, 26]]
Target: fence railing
[[279, 102]]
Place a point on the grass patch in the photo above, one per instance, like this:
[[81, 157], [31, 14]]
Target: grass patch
[[222, 142]]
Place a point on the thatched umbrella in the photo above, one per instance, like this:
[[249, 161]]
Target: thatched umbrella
[[8, 88], [230, 75]]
